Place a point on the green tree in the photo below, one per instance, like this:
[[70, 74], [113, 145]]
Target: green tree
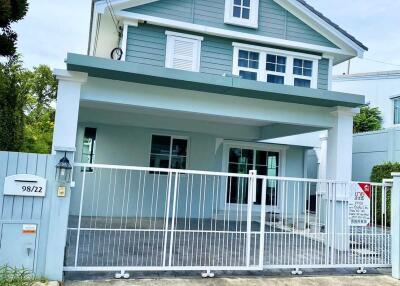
[[11, 11], [26, 107], [369, 119], [12, 102], [40, 89]]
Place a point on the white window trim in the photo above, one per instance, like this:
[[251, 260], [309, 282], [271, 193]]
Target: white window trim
[[252, 22], [171, 36], [394, 112], [170, 147], [290, 56]]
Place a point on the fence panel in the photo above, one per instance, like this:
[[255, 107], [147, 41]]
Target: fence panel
[[134, 218]]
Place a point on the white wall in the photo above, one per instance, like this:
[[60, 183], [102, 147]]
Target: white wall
[[378, 89]]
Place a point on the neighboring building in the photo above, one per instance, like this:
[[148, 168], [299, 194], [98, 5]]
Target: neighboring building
[[382, 90]]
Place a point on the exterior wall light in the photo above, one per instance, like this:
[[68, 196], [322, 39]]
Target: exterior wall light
[[63, 170]]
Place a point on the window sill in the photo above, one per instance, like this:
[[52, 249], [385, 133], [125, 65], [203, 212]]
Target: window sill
[[246, 24]]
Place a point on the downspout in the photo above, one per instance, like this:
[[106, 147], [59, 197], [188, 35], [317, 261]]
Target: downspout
[[90, 27]]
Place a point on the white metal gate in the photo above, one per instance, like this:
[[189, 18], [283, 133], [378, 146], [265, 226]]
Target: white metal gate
[[148, 219]]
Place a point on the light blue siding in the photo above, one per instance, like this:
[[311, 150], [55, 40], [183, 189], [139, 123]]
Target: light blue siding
[[274, 20], [323, 74], [147, 45]]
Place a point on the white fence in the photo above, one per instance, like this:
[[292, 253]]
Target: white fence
[[134, 218]]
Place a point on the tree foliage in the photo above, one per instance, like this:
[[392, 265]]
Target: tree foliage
[[11, 11], [26, 107], [379, 173], [369, 119], [12, 102]]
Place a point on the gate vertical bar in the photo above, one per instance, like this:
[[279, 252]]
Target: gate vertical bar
[[80, 217], [250, 200], [173, 219], [166, 226], [262, 222], [395, 225]]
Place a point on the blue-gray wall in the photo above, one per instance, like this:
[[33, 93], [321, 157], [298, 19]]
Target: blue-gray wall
[[274, 20], [17, 211], [129, 145], [374, 148], [147, 45]]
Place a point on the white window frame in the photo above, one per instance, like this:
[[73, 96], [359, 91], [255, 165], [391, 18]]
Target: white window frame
[[227, 145], [171, 37], [394, 110], [170, 147], [252, 22], [262, 71]]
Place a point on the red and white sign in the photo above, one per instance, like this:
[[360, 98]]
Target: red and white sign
[[360, 205]]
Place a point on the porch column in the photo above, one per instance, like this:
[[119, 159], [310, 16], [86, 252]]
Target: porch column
[[339, 168], [395, 225], [64, 138]]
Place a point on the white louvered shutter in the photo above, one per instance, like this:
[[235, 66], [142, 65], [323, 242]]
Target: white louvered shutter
[[183, 53]]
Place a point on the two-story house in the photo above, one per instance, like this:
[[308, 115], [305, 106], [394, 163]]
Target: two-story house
[[196, 87]]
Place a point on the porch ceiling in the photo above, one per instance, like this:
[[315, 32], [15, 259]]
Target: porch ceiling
[[130, 72]]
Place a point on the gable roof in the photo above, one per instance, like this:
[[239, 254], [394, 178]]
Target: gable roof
[[123, 4], [334, 25]]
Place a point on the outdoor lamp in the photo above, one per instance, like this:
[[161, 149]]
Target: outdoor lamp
[[63, 170]]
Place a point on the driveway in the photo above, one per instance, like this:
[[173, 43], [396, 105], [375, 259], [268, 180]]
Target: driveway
[[366, 280]]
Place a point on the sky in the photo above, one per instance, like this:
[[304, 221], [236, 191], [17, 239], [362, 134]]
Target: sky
[[54, 27]]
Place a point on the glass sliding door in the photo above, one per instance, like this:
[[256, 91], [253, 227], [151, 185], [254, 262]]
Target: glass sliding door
[[242, 161]]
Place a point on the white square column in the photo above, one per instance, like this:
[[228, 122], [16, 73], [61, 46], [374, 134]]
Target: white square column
[[64, 140], [340, 145], [339, 156], [67, 109]]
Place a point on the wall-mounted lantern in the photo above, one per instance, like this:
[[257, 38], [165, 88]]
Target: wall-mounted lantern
[[63, 170]]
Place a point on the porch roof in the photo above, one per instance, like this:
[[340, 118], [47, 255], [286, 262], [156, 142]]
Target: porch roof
[[145, 74]]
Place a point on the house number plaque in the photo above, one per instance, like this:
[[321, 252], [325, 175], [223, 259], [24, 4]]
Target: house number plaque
[[25, 185]]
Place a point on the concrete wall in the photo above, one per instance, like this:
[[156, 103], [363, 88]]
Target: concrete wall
[[374, 148]]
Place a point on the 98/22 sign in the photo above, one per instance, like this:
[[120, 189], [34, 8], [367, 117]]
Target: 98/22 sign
[[25, 185]]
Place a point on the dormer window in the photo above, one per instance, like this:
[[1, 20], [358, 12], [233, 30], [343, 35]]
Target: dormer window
[[242, 13]]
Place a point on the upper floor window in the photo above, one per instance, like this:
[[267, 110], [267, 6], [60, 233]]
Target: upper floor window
[[183, 51], [242, 12], [275, 66], [302, 70], [248, 63], [396, 104]]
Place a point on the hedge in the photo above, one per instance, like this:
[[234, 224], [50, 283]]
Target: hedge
[[380, 172]]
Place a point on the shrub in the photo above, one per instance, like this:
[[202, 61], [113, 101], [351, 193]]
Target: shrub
[[17, 277], [379, 173]]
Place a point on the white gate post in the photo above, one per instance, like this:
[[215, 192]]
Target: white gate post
[[64, 140], [251, 198], [395, 225]]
